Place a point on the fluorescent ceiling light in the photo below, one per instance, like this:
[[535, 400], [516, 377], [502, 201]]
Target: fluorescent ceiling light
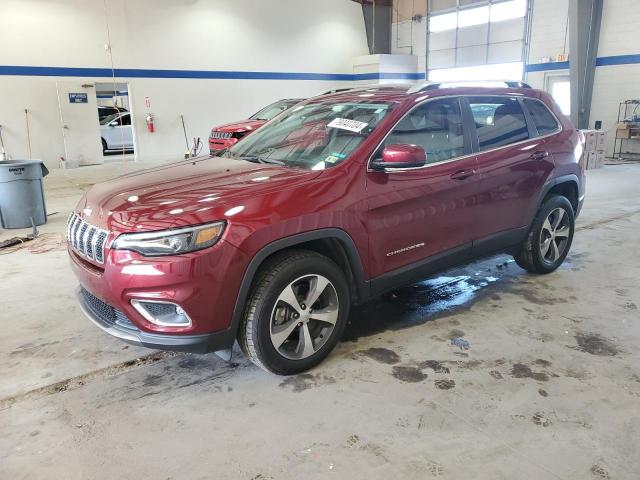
[[473, 16], [496, 71], [508, 10], [440, 23]]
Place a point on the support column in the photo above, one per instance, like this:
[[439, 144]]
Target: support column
[[584, 33], [377, 20]]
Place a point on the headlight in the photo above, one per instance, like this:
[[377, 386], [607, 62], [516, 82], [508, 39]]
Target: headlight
[[170, 242]]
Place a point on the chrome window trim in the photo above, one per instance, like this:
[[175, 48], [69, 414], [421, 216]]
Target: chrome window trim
[[463, 157]]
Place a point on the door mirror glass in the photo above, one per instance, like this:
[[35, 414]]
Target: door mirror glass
[[401, 156]]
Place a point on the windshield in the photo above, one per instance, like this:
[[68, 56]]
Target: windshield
[[312, 136], [108, 119], [270, 111]]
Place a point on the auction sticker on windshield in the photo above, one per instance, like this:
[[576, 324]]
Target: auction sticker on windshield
[[346, 124]]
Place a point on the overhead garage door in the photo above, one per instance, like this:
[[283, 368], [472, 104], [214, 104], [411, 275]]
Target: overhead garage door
[[476, 39]]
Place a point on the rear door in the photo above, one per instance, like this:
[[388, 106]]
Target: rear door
[[513, 164]]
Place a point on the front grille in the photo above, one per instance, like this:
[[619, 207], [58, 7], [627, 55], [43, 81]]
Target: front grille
[[106, 312], [221, 135], [87, 240]]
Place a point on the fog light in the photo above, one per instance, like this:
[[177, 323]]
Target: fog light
[[165, 314]]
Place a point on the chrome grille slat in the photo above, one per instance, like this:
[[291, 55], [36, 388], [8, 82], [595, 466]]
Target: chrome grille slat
[[85, 239], [221, 135]]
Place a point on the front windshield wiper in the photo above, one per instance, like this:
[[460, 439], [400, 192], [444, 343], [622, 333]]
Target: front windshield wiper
[[256, 159]]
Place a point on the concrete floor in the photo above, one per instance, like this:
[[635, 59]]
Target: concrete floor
[[550, 387]]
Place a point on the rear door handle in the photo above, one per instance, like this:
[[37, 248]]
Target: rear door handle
[[462, 174], [539, 155]]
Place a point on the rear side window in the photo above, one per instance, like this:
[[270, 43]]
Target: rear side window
[[543, 119], [436, 126], [499, 121]]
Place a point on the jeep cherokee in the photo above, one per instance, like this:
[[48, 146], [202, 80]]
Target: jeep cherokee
[[339, 199]]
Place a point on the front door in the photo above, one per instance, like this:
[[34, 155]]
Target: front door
[[80, 125], [422, 213]]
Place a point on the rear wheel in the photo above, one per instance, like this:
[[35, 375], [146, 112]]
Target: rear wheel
[[296, 312], [549, 240]]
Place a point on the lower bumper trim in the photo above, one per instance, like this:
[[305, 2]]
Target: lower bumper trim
[[204, 343]]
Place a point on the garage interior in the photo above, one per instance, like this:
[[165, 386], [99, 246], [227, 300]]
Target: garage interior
[[483, 371]]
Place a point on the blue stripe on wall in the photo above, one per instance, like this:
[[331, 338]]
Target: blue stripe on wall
[[600, 62], [543, 67], [617, 60], [199, 74]]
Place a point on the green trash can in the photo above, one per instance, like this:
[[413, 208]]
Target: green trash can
[[22, 194]]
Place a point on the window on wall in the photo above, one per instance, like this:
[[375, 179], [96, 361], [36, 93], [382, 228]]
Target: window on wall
[[466, 35]]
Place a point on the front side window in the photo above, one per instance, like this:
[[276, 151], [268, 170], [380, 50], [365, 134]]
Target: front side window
[[543, 119], [499, 121], [315, 135], [436, 126]]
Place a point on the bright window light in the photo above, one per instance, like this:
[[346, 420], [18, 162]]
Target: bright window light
[[440, 23], [473, 16], [508, 10], [561, 93], [497, 71]]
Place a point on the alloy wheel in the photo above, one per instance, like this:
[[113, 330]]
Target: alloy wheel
[[554, 236], [304, 316]]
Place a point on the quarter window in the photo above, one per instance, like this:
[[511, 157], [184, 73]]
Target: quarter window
[[543, 119], [499, 121], [435, 126]]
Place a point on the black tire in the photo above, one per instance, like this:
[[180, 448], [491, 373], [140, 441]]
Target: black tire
[[104, 146], [278, 272], [530, 257]]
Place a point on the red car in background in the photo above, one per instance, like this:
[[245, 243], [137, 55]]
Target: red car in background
[[224, 136]]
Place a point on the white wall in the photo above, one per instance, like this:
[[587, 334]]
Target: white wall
[[221, 35], [616, 83], [549, 36]]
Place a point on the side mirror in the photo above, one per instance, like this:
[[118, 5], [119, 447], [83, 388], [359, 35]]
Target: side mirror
[[113, 124], [401, 156]]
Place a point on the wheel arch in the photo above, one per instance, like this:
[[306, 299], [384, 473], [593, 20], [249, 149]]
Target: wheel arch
[[566, 185], [334, 243]]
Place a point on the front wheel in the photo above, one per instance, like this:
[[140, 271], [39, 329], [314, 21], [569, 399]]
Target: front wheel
[[549, 240], [296, 313]]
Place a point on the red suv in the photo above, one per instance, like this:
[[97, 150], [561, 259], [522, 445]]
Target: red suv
[[339, 199], [225, 136]]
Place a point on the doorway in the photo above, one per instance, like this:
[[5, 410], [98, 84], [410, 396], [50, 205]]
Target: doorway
[[115, 117], [559, 86]]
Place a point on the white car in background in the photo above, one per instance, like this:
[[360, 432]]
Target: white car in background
[[116, 132]]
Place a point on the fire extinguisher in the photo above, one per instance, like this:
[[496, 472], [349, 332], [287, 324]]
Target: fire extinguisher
[[150, 126]]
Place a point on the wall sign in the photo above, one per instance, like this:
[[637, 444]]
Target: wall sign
[[78, 98]]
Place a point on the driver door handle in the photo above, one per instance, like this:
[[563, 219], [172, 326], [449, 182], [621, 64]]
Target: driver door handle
[[539, 155], [462, 174]]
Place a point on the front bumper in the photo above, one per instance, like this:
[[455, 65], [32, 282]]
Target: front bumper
[[115, 323]]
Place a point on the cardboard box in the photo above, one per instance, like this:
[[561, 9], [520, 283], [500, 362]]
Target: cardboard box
[[623, 131], [601, 141], [591, 140], [592, 160], [599, 159]]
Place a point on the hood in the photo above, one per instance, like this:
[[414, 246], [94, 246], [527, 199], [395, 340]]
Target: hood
[[185, 193], [242, 126]]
